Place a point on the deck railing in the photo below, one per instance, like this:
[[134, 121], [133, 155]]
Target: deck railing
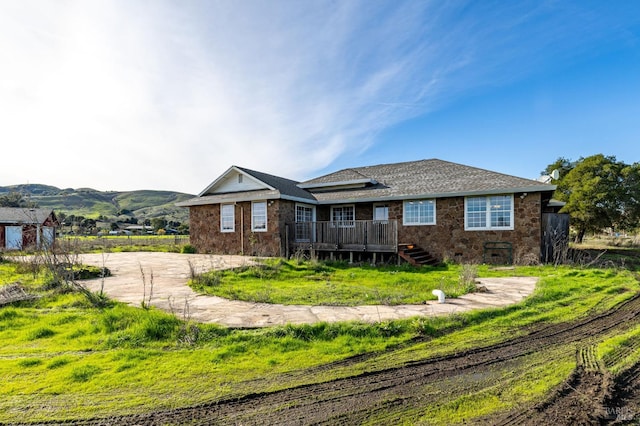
[[352, 235]]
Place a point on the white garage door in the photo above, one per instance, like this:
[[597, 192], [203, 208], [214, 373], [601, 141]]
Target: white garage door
[[13, 237]]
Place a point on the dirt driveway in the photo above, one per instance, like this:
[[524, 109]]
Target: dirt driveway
[[171, 271]]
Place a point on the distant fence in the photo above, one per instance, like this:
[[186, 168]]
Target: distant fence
[[106, 242]]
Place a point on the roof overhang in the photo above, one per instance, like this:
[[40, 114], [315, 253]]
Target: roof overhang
[[238, 197], [498, 191], [556, 203], [347, 184]]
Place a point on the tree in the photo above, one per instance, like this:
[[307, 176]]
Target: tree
[[12, 199], [87, 225], [600, 192], [562, 165], [158, 223], [631, 197]]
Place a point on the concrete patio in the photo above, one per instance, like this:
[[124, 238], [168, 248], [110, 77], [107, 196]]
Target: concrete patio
[[170, 273]]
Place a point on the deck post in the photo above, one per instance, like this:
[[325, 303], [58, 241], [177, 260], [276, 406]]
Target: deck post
[[286, 241]]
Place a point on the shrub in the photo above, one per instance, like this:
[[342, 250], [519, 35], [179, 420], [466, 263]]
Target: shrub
[[188, 249], [468, 276], [208, 279]]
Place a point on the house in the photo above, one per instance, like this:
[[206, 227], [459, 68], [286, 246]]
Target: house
[[424, 211], [22, 227]]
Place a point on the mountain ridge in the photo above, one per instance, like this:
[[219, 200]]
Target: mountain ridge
[[91, 203]]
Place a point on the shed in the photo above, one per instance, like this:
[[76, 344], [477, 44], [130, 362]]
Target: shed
[[22, 227]]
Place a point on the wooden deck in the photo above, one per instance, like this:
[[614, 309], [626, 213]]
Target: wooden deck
[[354, 235]]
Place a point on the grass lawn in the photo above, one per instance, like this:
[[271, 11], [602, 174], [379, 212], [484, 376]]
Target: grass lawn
[[64, 359], [335, 283]]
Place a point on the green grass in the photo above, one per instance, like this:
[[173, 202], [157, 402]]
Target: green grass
[[331, 283], [529, 381], [119, 243], [621, 351], [62, 358]]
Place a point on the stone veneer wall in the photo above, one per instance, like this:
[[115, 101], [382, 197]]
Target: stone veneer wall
[[206, 237], [449, 240], [445, 240]]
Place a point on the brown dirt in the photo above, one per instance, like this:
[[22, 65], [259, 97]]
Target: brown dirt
[[400, 395]]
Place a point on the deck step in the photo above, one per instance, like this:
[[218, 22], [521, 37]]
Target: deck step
[[416, 255]]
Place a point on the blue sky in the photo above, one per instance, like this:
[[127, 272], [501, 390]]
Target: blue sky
[[133, 94]]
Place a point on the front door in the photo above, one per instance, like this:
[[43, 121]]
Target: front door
[[305, 216], [13, 237]]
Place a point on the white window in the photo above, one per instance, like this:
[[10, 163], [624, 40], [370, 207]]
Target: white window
[[493, 212], [259, 216], [419, 212], [380, 212], [343, 216], [227, 218]]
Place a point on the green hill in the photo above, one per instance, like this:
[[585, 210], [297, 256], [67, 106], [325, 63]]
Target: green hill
[[90, 203]]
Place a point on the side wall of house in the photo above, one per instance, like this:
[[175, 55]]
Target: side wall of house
[[206, 236], [448, 239]]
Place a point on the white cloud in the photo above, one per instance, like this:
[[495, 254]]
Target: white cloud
[[166, 95]]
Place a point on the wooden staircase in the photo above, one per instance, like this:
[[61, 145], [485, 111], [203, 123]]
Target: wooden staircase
[[415, 255]]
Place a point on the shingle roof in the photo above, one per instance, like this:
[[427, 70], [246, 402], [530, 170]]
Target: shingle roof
[[424, 178], [23, 215], [414, 179], [285, 186]]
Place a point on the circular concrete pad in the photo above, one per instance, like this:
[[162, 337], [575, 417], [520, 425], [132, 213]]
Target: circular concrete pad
[[133, 273]]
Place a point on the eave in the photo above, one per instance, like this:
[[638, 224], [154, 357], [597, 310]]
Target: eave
[[347, 184], [238, 197]]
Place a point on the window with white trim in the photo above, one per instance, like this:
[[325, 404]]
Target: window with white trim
[[380, 212], [259, 216], [227, 218], [486, 213], [343, 216], [419, 212]]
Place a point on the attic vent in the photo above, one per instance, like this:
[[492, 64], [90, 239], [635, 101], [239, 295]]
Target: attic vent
[[239, 178]]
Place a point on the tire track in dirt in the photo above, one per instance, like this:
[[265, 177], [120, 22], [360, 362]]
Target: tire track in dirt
[[396, 391]]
